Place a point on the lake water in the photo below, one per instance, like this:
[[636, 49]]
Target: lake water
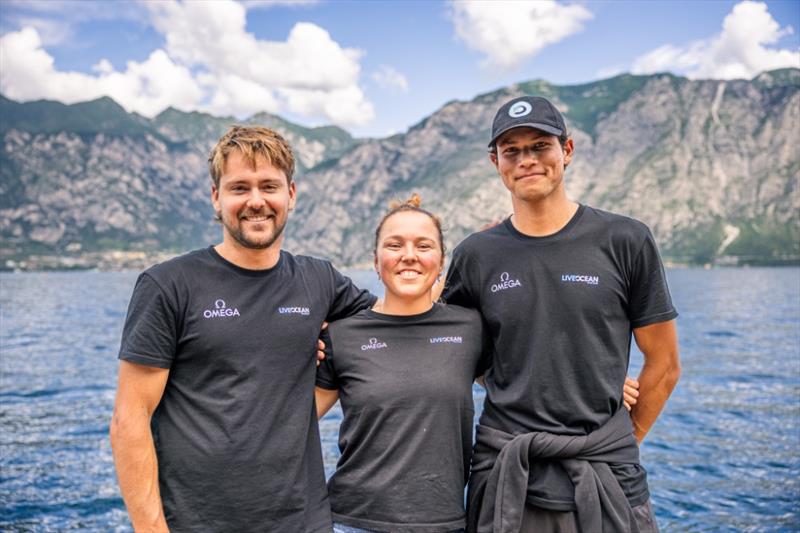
[[724, 456]]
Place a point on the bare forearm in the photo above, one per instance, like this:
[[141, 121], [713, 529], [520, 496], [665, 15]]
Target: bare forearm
[[656, 382], [660, 373], [137, 472]]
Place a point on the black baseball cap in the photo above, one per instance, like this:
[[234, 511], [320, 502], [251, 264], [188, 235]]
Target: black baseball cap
[[528, 111]]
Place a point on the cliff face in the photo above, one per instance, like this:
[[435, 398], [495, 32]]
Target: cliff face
[[711, 166], [92, 177]]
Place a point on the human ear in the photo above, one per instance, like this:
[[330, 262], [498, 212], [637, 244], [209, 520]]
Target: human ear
[[215, 198], [292, 195], [569, 149]]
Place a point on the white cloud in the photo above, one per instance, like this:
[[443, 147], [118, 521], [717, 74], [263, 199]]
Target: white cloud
[[342, 106], [210, 62], [739, 51], [309, 72], [147, 88], [238, 96], [389, 78], [510, 31]]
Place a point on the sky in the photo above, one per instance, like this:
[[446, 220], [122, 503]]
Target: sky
[[372, 67]]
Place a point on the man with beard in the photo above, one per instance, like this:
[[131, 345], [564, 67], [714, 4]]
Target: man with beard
[[562, 286], [214, 426]]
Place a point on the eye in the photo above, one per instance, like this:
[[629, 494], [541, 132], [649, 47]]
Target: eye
[[541, 146], [424, 246], [392, 245], [510, 151]]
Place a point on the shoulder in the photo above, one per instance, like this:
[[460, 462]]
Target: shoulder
[[358, 320], [307, 263], [168, 271], [620, 226], [313, 270], [460, 314], [478, 241], [305, 260]]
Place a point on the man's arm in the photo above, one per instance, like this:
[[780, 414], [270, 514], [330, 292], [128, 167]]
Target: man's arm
[[660, 373], [138, 393]]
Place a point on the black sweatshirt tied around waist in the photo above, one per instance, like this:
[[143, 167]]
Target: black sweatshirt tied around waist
[[599, 500]]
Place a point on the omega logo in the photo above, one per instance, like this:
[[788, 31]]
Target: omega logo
[[506, 283], [220, 310], [374, 344]]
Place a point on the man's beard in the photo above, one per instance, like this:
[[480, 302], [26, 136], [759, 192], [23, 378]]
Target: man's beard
[[238, 233]]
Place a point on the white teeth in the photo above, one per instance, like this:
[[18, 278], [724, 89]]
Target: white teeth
[[409, 274]]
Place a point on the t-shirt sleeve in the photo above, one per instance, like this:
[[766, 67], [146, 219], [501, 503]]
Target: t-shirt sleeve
[[457, 286], [150, 333], [650, 301], [347, 298], [326, 373], [487, 350]]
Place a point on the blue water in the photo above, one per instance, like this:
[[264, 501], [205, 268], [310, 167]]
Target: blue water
[[724, 456]]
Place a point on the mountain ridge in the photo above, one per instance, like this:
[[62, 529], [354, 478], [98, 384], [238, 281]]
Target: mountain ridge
[[709, 165]]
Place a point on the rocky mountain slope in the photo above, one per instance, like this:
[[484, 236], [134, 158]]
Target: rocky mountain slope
[[711, 166]]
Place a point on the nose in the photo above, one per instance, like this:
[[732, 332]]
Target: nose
[[409, 253], [528, 156], [255, 200]]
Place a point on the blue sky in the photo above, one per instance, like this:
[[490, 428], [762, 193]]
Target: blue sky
[[375, 67]]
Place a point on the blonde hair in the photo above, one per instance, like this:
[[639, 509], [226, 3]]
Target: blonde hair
[[413, 203], [251, 142]]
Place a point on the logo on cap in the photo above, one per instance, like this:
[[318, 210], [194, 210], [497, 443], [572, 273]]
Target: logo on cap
[[520, 109]]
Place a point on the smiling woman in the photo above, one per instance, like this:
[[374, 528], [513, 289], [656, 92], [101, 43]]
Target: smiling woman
[[409, 257], [404, 376]]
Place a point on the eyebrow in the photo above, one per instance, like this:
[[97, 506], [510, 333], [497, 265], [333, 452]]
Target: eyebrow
[[238, 181], [539, 137], [403, 238]]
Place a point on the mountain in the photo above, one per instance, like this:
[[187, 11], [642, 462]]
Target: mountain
[[711, 166]]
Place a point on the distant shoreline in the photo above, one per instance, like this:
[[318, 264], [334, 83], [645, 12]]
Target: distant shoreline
[[120, 260]]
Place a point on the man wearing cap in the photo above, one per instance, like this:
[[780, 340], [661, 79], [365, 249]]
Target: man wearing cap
[[562, 286]]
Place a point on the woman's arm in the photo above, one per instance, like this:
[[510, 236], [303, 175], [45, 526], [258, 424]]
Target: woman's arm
[[325, 398]]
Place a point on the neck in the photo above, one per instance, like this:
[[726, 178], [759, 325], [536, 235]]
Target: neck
[[249, 258], [543, 217], [392, 305]]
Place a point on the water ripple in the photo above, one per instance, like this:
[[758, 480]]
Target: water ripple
[[724, 455]]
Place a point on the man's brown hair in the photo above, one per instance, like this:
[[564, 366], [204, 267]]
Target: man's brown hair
[[251, 142]]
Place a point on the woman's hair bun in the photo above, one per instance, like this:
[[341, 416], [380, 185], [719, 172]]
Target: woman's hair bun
[[413, 201]]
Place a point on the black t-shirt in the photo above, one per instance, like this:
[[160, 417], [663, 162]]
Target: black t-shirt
[[235, 432], [560, 310], [405, 385]]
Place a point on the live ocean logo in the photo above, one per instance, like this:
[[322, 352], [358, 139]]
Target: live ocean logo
[[580, 278]]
